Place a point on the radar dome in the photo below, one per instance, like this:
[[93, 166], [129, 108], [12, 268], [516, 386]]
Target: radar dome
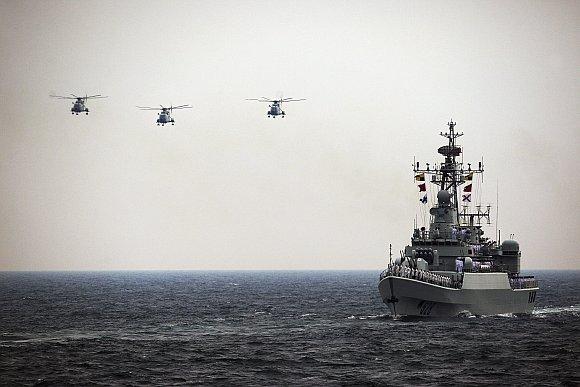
[[422, 264], [510, 245], [468, 264], [443, 197]]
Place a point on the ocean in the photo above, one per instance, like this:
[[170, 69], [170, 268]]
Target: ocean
[[269, 328]]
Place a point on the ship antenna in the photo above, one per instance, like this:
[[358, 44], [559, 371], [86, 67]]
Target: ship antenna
[[497, 210], [390, 253]]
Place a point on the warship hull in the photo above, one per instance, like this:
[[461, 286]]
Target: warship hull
[[480, 294]]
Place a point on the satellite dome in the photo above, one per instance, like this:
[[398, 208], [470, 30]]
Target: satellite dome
[[510, 245], [443, 197]]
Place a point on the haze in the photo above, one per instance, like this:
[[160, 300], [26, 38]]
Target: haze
[[327, 187]]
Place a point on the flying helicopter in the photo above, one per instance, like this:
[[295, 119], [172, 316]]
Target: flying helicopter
[[165, 114], [79, 103], [276, 105]]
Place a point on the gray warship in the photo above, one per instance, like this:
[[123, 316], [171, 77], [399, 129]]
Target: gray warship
[[451, 269]]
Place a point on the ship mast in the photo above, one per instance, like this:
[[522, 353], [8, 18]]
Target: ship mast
[[450, 174], [449, 169]]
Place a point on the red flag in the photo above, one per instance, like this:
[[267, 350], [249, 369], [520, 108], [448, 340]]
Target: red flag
[[422, 187], [467, 188]]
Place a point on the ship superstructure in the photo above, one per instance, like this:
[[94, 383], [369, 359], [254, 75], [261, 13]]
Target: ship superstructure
[[451, 268]]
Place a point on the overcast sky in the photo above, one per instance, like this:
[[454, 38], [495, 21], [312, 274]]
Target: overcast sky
[[327, 187]]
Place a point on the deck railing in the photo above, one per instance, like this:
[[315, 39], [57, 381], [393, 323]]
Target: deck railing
[[523, 282], [423, 275]]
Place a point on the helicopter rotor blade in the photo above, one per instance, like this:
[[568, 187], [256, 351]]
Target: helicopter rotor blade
[[182, 107], [147, 108], [293, 100], [61, 97], [260, 99], [96, 96], [76, 96]]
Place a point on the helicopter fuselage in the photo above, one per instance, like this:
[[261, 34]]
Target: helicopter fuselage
[[275, 110], [165, 118], [79, 107]]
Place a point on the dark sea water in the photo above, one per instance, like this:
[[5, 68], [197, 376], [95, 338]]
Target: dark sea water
[[269, 328]]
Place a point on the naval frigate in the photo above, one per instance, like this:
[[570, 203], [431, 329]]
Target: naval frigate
[[450, 268]]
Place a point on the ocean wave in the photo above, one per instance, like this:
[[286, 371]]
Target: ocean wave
[[537, 312], [548, 310], [369, 317], [278, 330]]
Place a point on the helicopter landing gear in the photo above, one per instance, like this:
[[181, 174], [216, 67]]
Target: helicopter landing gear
[[173, 123]]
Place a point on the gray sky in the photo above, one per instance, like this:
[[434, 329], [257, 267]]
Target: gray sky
[[329, 186]]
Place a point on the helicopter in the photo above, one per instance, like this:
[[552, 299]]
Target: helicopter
[[79, 103], [276, 105], [165, 115]]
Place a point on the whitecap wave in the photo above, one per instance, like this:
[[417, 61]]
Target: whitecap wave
[[375, 316], [370, 317], [466, 314], [506, 315], [547, 310]]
